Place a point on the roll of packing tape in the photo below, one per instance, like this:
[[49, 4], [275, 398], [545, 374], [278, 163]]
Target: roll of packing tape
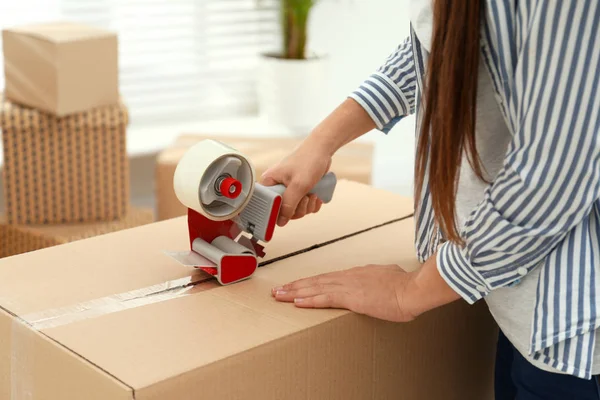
[[201, 173]]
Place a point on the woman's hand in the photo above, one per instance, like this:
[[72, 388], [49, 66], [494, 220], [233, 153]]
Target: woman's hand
[[302, 169], [380, 291], [299, 172]]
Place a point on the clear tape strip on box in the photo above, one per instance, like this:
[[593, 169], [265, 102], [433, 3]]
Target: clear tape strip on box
[[117, 302]]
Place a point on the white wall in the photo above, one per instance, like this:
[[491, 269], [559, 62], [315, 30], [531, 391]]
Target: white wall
[[357, 36]]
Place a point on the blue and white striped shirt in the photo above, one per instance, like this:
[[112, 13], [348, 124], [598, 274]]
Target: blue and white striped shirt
[[543, 208]]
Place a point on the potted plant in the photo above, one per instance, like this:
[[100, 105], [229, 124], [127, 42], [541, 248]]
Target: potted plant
[[291, 81]]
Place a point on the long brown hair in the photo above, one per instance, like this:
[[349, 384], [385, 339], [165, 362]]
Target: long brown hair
[[449, 101]]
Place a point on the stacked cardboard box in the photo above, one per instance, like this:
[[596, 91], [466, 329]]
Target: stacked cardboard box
[[64, 169], [352, 162], [147, 328], [61, 68], [63, 135]]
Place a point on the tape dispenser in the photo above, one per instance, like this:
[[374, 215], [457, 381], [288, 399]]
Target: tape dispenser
[[228, 213]]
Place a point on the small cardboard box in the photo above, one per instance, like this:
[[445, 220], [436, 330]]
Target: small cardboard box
[[61, 68], [64, 169], [18, 239], [352, 162], [111, 317]]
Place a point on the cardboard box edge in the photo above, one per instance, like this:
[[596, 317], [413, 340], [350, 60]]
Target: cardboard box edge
[[39, 343]]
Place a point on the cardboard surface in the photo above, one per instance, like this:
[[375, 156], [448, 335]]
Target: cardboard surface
[[18, 239], [43, 369], [63, 170], [352, 162], [236, 342], [61, 68]]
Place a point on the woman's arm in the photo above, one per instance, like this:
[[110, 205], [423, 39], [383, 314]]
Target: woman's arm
[[346, 123], [302, 169], [382, 100]]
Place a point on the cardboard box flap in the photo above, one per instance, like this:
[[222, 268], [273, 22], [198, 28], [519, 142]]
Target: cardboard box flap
[[205, 327], [131, 260], [59, 32]]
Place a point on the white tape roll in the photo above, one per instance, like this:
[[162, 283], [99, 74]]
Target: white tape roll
[[198, 172]]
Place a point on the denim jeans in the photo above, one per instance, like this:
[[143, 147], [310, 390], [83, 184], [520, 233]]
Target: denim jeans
[[517, 379]]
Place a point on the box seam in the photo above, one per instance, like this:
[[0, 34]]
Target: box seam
[[328, 242]]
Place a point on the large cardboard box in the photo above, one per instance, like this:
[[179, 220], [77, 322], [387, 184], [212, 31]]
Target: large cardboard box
[[64, 169], [18, 239], [353, 162], [111, 317], [61, 68]]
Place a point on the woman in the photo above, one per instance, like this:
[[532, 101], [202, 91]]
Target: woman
[[507, 180]]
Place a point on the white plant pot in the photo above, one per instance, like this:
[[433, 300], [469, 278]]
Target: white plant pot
[[292, 93]]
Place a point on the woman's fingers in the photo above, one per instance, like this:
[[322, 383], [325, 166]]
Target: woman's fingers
[[331, 278], [375, 290], [292, 199], [318, 205], [291, 294], [317, 296], [325, 300], [308, 205], [267, 179], [302, 208], [312, 204]]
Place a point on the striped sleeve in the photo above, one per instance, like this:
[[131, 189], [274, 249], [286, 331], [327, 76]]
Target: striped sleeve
[[389, 94], [551, 174]]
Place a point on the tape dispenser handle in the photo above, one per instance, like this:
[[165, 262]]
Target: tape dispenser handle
[[323, 189]]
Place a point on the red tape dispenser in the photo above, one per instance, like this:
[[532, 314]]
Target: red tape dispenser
[[217, 185]]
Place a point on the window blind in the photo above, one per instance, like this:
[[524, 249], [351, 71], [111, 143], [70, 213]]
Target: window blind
[[179, 60]]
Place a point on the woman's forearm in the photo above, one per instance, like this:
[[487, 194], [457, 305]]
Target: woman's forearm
[[346, 123], [428, 290]]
